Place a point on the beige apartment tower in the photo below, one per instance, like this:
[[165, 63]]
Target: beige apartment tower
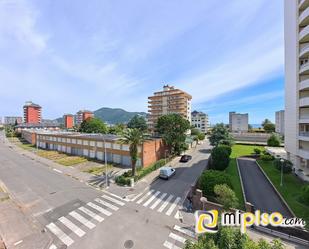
[[170, 100], [296, 125]]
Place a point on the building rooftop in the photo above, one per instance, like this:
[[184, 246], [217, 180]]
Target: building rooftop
[[30, 103]]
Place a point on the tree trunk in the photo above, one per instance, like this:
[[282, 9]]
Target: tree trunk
[[133, 163]]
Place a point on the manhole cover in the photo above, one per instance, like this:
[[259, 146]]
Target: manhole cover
[[128, 244]]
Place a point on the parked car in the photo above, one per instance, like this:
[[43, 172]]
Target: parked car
[[185, 158], [166, 172]]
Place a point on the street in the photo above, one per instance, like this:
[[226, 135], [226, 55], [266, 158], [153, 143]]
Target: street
[[75, 215]]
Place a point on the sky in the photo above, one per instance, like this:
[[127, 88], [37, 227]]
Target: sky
[[68, 55]]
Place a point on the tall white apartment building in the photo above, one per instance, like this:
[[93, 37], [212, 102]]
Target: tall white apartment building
[[280, 122], [296, 29], [170, 100], [200, 121], [238, 122]]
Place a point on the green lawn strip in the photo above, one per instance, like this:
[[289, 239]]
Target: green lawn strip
[[98, 170], [290, 190], [71, 160], [237, 151]]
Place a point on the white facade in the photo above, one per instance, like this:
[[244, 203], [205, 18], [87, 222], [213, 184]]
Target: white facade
[[280, 122], [200, 121], [238, 122], [296, 123]]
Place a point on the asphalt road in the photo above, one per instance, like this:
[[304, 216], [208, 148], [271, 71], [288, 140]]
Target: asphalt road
[[258, 190], [78, 216]]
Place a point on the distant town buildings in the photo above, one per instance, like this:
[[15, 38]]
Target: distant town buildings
[[296, 125], [82, 115], [200, 121], [12, 120], [32, 113], [68, 120], [170, 100], [280, 122], [238, 122]]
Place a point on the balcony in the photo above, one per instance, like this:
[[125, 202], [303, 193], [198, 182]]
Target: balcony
[[303, 4], [304, 69], [304, 34], [304, 51], [304, 84], [304, 17], [304, 102], [303, 153], [304, 136]]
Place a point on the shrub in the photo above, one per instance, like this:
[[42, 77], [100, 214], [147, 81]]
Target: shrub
[[219, 158], [227, 148], [210, 178], [267, 157], [121, 180], [226, 196], [257, 151], [286, 164], [274, 140], [127, 173], [304, 198]]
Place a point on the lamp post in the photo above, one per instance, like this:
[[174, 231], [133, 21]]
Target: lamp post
[[281, 162], [105, 161], [165, 155]]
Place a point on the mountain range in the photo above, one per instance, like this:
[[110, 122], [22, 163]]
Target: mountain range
[[112, 115]]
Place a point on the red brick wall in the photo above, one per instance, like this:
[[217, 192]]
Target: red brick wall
[[68, 121], [87, 115], [153, 150], [32, 115]]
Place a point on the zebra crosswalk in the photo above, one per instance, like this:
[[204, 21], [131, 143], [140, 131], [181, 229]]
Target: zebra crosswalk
[[178, 237], [161, 202], [69, 228]]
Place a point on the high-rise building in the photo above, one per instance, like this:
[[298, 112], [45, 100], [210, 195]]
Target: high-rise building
[[170, 100], [12, 120], [83, 115], [68, 120], [32, 113], [238, 122], [200, 121], [296, 28], [280, 122]]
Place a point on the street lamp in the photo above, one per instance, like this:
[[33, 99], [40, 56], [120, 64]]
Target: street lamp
[[281, 162], [165, 155], [105, 161]]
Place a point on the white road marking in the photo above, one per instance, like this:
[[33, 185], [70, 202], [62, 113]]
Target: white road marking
[[158, 201], [151, 199], [57, 170], [42, 212], [91, 214], [60, 234], [100, 209], [106, 204], [117, 196], [184, 231], [177, 237], [18, 242], [169, 245], [172, 207], [82, 219], [79, 232], [137, 196], [163, 206], [113, 200], [145, 196], [52, 246]]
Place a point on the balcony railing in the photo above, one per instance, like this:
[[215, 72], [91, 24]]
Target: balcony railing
[[304, 133]]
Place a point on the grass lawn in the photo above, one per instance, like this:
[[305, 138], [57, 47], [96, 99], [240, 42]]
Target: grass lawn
[[237, 151], [71, 160], [98, 170], [290, 190]]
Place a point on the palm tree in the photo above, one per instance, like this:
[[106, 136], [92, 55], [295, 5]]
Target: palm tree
[[134, 138]]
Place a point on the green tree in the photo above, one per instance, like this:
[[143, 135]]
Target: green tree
[[138, 122], [226, 196], [210, 178], [195, 131], [274, 140], [93, 125], [220, 158], [269, 127], [117, 129], [220, 135], [134, 138], [172, 128], [266, 121], [201, 136]]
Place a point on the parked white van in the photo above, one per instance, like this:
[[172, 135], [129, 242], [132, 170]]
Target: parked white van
[[166, 172]]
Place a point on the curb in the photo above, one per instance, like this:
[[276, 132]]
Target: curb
[[280, 196], [241, 183]]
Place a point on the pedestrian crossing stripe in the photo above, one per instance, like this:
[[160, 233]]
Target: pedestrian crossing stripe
[[174, 238], [107, 204], [113, 200], [69, 224], [91, 214], [169, 245], [82, 219], [164, 205], [60, 234], [151, 199], [158, 201], [145, 196]]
